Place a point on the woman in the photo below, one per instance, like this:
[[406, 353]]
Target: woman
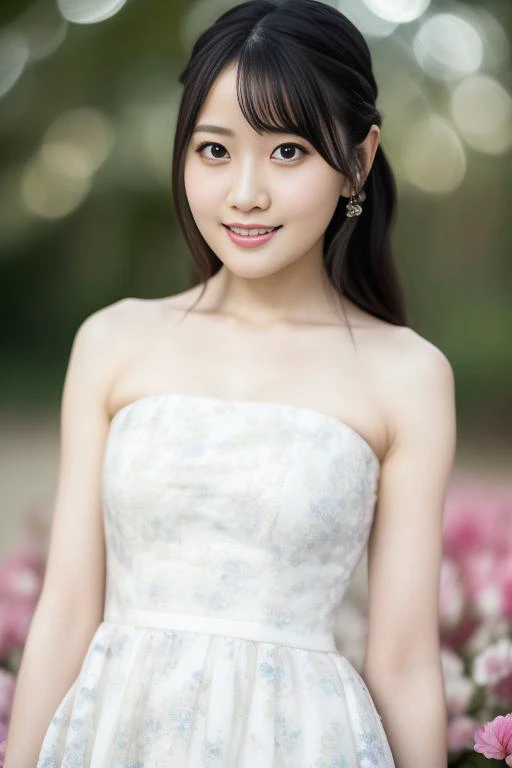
[[234, 449]]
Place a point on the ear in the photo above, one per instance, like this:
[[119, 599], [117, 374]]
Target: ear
[[367, 150]]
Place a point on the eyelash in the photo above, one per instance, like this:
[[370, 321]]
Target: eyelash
[[215, 143]]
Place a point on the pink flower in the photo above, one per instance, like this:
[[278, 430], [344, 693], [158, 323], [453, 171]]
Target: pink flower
[[494, 663], [479, 572], [3, 743], [477, 519], [21, 576], [458, 688], [494, 739], [484, 634], [467, 524], [15, 620], [502, 690], [451, 662], [477, 547], [461, 730], [7, 685], [26, 557], [506, 590], [459, 692]]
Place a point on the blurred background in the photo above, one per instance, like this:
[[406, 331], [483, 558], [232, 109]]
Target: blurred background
[[88, 99]]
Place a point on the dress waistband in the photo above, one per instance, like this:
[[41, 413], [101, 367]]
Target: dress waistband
[[214, 625]]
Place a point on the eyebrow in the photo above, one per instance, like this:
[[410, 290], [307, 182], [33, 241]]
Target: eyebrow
[[214, 129]]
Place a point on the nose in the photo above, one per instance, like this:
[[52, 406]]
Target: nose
[[248, 187]]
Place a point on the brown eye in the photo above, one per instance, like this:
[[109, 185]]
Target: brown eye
[[216, 148], [290, 151]]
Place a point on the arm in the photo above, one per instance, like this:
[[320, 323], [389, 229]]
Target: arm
[[402, 666], [71, 603]]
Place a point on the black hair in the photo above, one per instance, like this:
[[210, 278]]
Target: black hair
[[303, 68]]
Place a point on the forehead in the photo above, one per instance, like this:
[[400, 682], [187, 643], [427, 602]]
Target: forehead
[[221, 105], [223, 88]]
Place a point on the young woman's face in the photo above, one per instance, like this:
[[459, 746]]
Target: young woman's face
[[248, 178]]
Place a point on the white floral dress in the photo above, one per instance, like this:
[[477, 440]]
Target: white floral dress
[[232, 531]]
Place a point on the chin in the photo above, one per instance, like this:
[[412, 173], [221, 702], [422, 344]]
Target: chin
[[253, 266]]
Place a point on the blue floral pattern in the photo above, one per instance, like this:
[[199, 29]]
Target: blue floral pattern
[[232, 531]]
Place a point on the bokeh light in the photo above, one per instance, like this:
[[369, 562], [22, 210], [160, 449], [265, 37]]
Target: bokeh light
[[79, 140], [49, 191], [58, 178], [43, 27], [482, 110], [448, 47], [367, 22], [496, 45], [399, 11], [89, 11], [433, 156], [15, 221], [14, 55]]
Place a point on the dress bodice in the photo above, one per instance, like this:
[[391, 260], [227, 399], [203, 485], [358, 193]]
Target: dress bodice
[[250, 511]]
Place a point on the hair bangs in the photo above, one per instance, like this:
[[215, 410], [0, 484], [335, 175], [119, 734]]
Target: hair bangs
[[278, 95]]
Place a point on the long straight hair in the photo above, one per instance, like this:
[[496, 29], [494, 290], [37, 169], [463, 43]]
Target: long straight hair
[[302, 68]]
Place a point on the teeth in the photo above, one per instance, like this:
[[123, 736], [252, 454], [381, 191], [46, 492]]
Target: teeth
[[246, 232]]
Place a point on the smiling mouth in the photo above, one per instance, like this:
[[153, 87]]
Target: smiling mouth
[[248, 229]]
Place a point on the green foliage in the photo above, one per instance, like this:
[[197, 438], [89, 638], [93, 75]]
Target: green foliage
[[474, 760]]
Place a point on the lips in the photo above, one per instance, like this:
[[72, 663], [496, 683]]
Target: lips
[[252, 227], [250, 241]]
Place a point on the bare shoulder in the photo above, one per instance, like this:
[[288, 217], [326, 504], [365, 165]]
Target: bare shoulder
[[411, 351], [126, 322], [418, 362], [149, 311], [104, 320], [106, 338], [124, 331], [119, 329], [108, 326], [419, 388]]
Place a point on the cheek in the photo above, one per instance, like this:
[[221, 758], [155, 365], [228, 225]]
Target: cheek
[[315, 194], [199, 194], [192, 188]]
